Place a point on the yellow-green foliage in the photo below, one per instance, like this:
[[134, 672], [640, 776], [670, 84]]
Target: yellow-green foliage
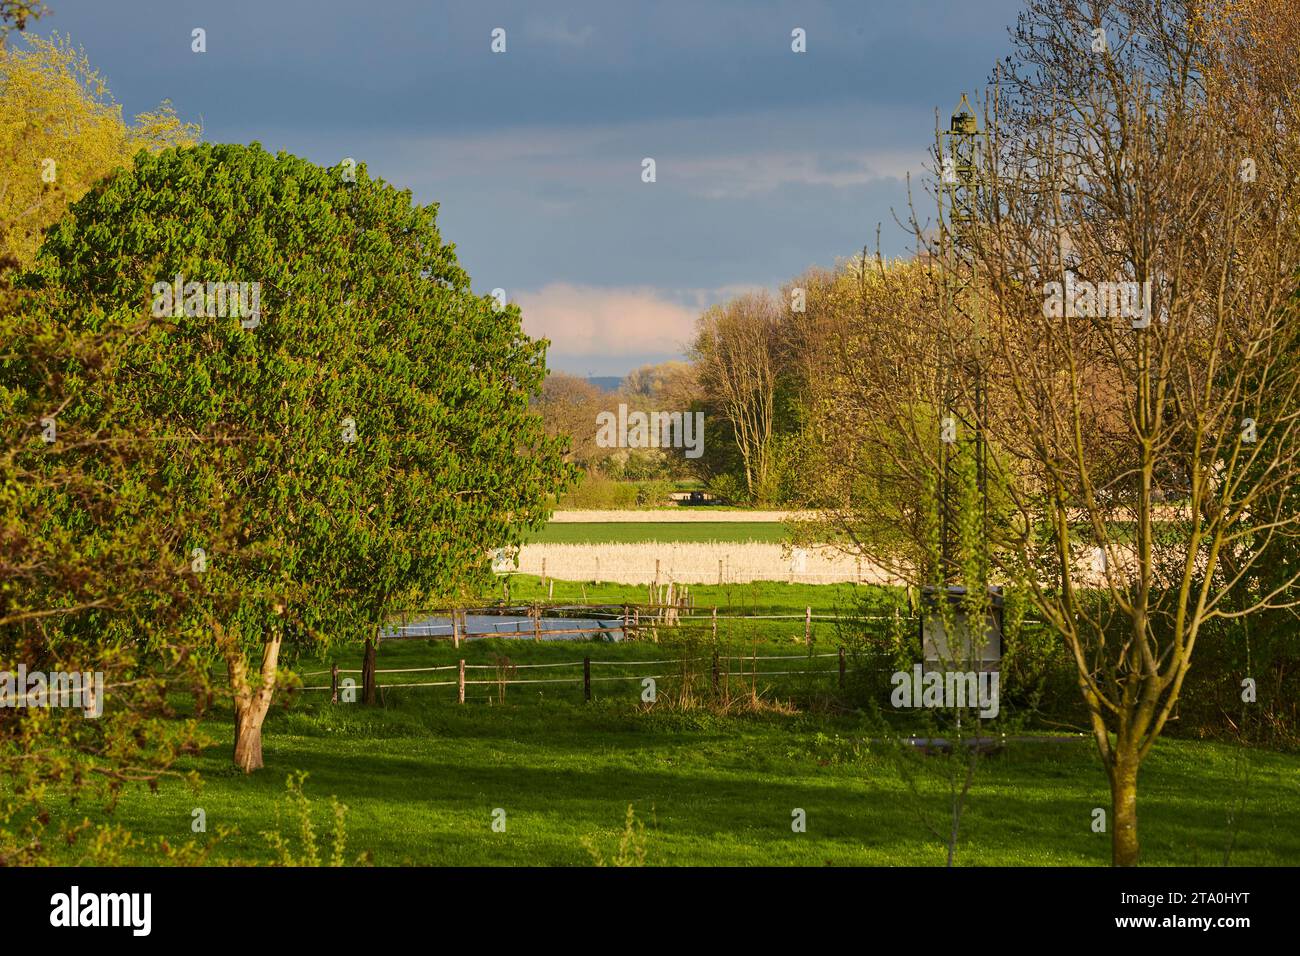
[[631, 844], [58, 121], [309, 851]]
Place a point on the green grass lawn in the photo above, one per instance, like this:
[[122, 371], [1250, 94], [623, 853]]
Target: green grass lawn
[[422, 776], [760, 598], [636, 532], [754, 597]]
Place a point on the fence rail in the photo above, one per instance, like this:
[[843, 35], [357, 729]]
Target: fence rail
[[461, 667], [624, 619]]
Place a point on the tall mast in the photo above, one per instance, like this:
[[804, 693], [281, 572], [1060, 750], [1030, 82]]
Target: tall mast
[[962, 148]]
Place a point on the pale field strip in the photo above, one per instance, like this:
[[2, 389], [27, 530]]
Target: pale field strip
[[696, 562], [706, 514], [678, 515], [742, 562], [745, 562]]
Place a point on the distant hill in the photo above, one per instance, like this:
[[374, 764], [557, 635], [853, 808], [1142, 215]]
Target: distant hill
[[606, 383]]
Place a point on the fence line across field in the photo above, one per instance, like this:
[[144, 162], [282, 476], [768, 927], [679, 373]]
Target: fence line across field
[[775, 657], [627, 612], [628, 623], [613, 612], [520, 666], [506, 680], [581, 663], [682, 660], [624, 620], [461, 667]]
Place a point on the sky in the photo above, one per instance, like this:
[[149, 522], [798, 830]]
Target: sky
[[767, 161]]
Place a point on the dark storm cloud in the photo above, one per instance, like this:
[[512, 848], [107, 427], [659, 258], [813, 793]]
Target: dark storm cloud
[[768, 162]]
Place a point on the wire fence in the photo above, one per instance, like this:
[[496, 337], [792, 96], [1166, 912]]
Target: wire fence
[[505, 673], [628, 621], [619, 622]]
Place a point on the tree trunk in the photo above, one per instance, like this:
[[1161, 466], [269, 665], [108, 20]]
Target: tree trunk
[[368, 674], [1123, 792], [248, 740], [251, 702]]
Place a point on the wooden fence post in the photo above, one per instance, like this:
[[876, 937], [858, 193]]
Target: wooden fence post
[[807, 626], [460, 683], [455, 628], [334, 683], [368, 673], [550, 594], [715, 670], [586, 679], [715, 624], [841, 668], [656, 578]]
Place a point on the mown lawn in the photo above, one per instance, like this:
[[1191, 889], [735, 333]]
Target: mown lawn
[[756, 597], [423, 775]]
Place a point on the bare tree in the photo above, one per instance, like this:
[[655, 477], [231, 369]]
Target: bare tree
[[735, 353], [569, 406], [1118, 322], [1140, 256], [667, 385]]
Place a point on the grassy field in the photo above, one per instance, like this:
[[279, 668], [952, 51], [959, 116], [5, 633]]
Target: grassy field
[[423, 776], [755, 597], [666, 532]]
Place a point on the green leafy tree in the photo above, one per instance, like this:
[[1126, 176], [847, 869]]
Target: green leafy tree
[[368, 432], [85, 582], [86, 587]]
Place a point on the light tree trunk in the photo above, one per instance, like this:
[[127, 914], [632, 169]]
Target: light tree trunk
[[1123, 792], [251, 702], [248, 740]]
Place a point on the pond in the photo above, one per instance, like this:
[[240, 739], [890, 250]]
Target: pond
[[512, 625]]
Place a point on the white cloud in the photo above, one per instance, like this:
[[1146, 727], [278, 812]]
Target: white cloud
[[585, 320]]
